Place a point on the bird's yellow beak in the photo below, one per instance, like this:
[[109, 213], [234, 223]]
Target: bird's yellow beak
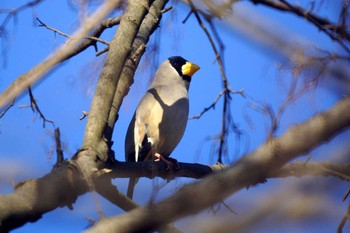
[[189, 69]]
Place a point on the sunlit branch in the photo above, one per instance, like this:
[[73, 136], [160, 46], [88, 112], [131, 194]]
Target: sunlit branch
[[62, 53], [251, 169]]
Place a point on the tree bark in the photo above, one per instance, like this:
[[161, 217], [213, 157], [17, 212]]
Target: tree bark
[[251, 169]]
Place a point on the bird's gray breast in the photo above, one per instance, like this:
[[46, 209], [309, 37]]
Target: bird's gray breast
[[172, 124]]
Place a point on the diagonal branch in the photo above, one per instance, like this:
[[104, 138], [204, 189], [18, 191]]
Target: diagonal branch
[[62, 53], [119, 50], [334, 31], [8, 108], [42, 24], [148, 26], [251, 169], [62, 186], [298, 169], [35, 107]]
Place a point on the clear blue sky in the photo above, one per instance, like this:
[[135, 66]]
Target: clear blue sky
[[26, 148]]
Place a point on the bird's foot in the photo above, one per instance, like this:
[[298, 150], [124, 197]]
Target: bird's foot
[[171, 164]]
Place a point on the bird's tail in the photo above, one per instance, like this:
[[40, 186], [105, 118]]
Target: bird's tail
[[131, 186]]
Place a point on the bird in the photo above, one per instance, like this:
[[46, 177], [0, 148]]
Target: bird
[[160, 118]]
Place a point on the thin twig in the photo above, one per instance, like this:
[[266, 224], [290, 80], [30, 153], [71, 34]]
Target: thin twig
[[8, 108], [334, 31], [344, 220], [135, 55], [35, 108], [59, 151], [165, 10], [42, 24], [346, 195], [12, 13], [226, 114], [212, 106], [85, 114]]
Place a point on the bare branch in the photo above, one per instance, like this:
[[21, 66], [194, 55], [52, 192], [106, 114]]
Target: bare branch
[[270, 156], [85, 114], [344, 220], [35, 108], [226, 114], [59, 151], [12, 13], [42, 24], [151, 169], [341, 171], [8, 108], [34, 197], [64, 52], [148, 26], [212, 106], [62, 186], [119, 51], [334, 31], [106, 189]]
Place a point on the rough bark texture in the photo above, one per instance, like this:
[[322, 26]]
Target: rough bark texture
[[32, 198], [119, 50], [148, 26]]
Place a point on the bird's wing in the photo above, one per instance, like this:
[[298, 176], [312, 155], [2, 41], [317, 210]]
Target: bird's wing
[[137, 142]]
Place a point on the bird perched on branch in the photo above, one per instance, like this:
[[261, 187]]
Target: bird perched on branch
[[160, 119]]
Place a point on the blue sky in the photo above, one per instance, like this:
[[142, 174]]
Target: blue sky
[[26, 147]]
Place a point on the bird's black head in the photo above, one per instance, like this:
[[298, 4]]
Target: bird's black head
[[177, 62]]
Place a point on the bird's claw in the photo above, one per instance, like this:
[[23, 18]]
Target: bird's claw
[[171, 164]]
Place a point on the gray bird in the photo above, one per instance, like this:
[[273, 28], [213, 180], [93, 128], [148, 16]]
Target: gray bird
[[160, 119]]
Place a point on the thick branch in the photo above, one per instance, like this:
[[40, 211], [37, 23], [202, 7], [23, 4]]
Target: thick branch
[[119, 51], [249, 170], [342, 171], [152, 169], [35, 197], [62, 186], [148, 26]]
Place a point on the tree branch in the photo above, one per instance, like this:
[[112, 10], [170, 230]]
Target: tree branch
[[62, 53], [34, 197], [119, 50], [251, 169], [148, 26], [226, 114], [151, 169], [334, 31], [297, 169], [59, 151], [35, 107], [64, 183]]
